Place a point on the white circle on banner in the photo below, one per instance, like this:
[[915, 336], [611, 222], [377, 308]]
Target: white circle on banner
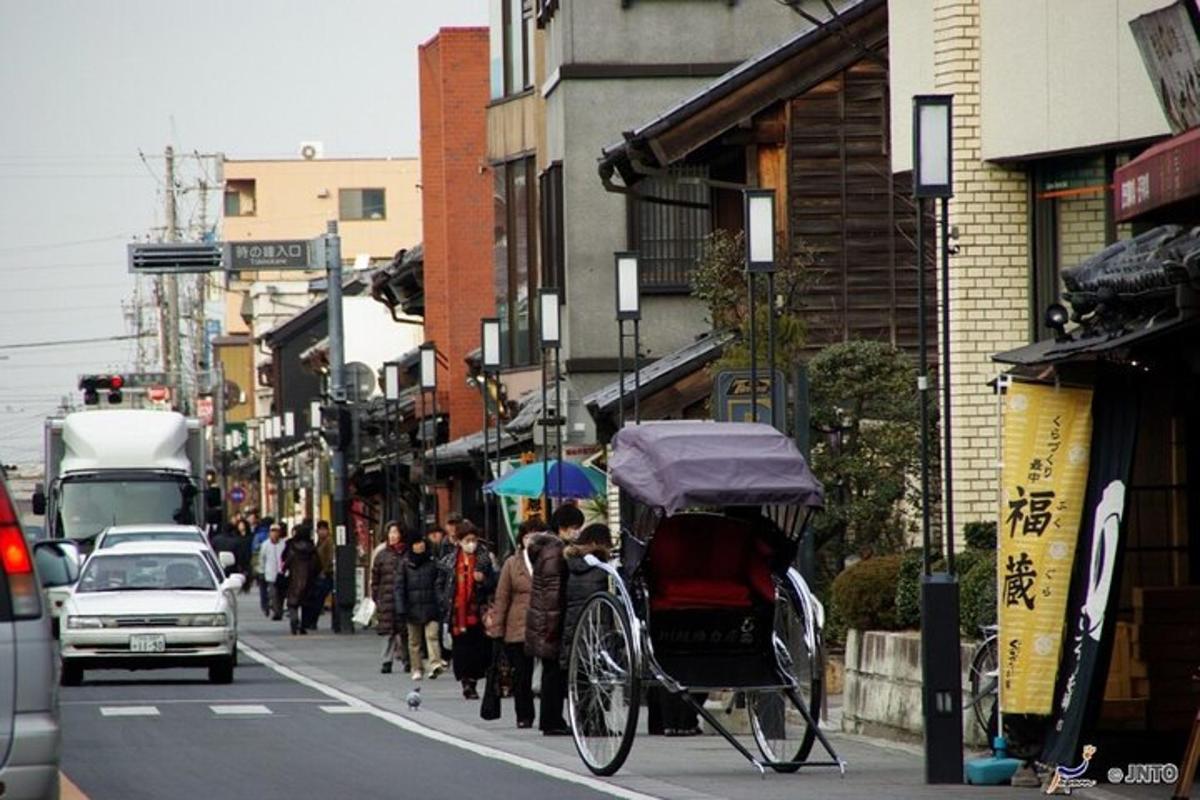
[[1059, 551], [1043, 645], [1078, 455], [1018, 402]]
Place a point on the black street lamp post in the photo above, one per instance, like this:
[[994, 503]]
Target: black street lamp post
[[629, 309], [760, 259], [429, 384], [551, 339], [940, 644], [489, 344]]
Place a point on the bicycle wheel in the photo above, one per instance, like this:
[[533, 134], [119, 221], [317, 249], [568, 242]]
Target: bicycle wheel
[[985, 679], [781, 732], [603, 686]]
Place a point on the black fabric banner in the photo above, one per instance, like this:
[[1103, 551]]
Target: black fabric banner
[[1096, 575]]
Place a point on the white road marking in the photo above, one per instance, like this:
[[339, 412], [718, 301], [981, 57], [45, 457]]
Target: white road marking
[[344, 710], [411, 726], [196, 700], [235, 710], [128, 711]]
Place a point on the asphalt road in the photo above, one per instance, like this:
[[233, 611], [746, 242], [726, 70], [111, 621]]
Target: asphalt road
[[170, 735]]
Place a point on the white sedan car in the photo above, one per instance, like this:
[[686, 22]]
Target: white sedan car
[[149, 606]]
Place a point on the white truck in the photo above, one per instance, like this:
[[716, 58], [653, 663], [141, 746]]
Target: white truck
[[120, 467]]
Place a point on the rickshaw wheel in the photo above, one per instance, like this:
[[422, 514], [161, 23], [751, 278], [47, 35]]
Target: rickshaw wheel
[[603, 685], [780, 731]]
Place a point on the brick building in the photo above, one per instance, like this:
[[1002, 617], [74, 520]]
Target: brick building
[[457, 211], [1041, 121]]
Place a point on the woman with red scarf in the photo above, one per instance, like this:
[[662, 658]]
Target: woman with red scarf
[[466, 584]]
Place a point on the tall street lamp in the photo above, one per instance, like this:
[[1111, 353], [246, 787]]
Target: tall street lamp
[[760, 258], [549, 306], [429, 384], [629, 308], [391, 399], [489, 345], [933, 161]]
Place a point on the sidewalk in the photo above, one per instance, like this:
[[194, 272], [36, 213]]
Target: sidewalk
[[696, 768]]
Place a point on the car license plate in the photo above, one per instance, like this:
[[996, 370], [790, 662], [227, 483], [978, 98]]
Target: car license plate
[[148, 643]]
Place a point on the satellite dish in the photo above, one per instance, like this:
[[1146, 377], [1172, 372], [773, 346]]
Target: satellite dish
[[360, 381]]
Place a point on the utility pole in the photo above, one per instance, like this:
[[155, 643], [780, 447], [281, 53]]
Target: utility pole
[[346, 549], [200, 340], [172, 363]]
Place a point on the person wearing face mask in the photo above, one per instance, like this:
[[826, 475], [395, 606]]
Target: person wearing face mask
[[417, 604], [465, 585], [512, 608], [544, 622]]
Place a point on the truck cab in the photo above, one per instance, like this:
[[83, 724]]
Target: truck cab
[[120, 467]]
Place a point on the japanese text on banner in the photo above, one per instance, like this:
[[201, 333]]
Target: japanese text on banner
[[1047, 433]]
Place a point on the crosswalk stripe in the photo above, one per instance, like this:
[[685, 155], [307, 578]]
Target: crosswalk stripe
[[128, 711], [345, 710], [240, 710]]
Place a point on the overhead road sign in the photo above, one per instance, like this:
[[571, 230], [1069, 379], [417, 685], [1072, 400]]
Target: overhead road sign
[[157, 259], [280, 254]]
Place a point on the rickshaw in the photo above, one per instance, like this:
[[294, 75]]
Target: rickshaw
[[704, 597]]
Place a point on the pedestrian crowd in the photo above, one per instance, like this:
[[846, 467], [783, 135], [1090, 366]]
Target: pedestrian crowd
[[293, 570], [445, 602]]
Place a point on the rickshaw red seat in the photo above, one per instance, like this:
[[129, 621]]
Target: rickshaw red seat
[[707, 561]]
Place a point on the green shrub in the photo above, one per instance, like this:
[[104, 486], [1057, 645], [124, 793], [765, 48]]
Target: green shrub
[[908, 589], [966, 560], [864, 596], [977, 594], [980, 535]]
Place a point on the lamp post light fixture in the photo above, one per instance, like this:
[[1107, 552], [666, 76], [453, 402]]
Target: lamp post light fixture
[[760, 258], [429, 384], [289, 425], [489, 350], [629, 309], [933, 177], [550, 329], [391, 397]]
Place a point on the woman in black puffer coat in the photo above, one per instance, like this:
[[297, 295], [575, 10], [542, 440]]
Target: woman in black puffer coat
[[583, 580], [417, 603]]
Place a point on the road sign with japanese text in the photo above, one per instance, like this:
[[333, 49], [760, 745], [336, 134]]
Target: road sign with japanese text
[[282, 254], [1047, 435]]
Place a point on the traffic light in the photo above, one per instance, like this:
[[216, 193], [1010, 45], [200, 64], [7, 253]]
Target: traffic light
[[93, 384]]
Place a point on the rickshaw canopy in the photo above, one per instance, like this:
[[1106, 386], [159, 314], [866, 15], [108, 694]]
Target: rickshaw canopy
[[676, 465]]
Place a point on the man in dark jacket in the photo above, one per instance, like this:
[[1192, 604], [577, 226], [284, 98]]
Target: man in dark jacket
[[323, 584], [418, 604], [543, 623], [227, 542]]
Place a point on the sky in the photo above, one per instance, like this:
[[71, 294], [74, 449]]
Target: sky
[[87, 86]]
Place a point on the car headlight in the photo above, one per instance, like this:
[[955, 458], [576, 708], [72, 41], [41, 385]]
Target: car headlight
[[208, 620], [85, 622]]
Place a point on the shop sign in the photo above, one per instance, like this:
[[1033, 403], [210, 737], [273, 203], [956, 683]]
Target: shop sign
[[1170, 49], [1047, 436]]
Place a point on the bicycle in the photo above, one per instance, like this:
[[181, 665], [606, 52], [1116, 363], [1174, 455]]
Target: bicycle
[[985, 682]]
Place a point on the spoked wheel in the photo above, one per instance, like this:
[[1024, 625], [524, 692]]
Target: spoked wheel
[[782, 733], [603, 686]]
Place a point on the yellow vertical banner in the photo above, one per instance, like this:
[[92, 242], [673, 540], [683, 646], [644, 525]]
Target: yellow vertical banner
[[1047, 437]]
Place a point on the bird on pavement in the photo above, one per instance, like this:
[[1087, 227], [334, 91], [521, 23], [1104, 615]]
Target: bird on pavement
[[414, 699]]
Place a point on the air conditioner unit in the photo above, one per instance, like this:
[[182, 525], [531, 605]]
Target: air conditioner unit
[[311, 150]]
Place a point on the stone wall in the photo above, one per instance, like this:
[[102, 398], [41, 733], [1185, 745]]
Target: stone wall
[[883, 687]]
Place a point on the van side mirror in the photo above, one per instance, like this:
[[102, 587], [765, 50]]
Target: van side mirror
[[39, 500]]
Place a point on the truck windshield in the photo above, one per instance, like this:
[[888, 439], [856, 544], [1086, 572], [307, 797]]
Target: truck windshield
[[87, 507]]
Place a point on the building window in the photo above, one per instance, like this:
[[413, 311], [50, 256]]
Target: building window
[[511, 47], [1072, 221], [552, 227], [239, 197], [515, 259], [361, 204], [669, 219]]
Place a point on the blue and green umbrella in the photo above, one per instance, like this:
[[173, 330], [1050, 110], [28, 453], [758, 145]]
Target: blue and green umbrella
[[578, 482]]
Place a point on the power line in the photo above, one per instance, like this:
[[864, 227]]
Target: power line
[[54, 245], [61, 342]]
